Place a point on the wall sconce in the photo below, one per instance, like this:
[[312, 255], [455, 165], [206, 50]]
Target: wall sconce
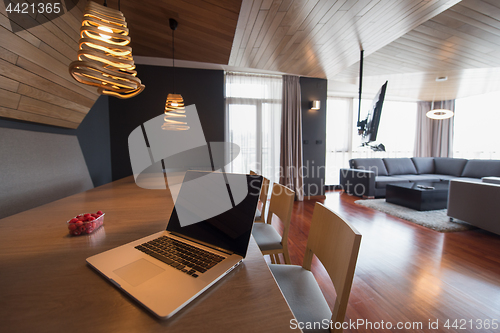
[[314, 105]]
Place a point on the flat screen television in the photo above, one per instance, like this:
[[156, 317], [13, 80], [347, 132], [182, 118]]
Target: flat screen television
[[368, 128]]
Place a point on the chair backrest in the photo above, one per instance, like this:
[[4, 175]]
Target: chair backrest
[[281, 205], [263, 194], [336, 244]]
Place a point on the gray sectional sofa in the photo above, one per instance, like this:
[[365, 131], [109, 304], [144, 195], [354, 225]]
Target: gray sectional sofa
[[368, 177]]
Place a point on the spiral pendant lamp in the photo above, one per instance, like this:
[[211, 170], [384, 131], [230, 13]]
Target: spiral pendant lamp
[[175, 113], [104, 57]]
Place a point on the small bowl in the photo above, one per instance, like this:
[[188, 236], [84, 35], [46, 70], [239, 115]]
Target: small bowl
[[83, 227]]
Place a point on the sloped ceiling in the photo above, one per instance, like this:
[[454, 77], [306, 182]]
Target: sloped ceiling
[[409, 43]]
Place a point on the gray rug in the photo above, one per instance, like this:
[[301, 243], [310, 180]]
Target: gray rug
[[433, 219]]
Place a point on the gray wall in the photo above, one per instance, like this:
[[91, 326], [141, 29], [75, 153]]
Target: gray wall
[[202, 87], [313, 135], [42, 163]]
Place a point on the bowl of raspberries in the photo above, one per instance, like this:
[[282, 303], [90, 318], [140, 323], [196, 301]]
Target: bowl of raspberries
[[85, 223]]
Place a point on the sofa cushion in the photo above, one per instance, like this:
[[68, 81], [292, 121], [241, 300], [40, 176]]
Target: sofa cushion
[[481, 168], [420, 178], [373, 164], [449, 166], [382, 181], [443, 177], [424, 165], [399, 166]]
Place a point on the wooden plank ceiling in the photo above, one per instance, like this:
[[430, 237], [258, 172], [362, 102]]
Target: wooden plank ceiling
[[35, 84], [462, 43], [408, 42], [205, 32]]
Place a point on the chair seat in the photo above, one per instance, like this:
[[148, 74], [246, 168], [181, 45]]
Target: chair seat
[[303, 295], [266, 237]]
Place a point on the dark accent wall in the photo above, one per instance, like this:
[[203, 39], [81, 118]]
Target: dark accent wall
[[313, 135], [204, 88], [93, 137]]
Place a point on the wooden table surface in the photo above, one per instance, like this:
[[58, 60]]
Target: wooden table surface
[[46, 285]]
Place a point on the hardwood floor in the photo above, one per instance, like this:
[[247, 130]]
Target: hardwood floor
[[410, 274]]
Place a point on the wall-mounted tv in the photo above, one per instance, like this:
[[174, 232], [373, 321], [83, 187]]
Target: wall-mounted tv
[[368, 128]]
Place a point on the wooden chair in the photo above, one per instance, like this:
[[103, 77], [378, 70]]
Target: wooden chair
[[259, 217], [269, 240], [336, 244]]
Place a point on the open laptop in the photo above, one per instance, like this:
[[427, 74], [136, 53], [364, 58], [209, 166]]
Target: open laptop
[[207, 236]]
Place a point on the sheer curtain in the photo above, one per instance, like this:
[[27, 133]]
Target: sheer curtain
[[339, 116], [434, 138], [253, 118], [476, 127], [396, 132]]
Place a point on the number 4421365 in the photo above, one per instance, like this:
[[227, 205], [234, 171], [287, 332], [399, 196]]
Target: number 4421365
[[41, 8], [463, 324]]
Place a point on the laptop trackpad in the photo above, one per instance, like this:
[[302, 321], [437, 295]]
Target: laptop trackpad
[[138, 272]]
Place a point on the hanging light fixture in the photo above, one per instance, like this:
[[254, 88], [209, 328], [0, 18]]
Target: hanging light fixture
[[439, 113], [104, 59], [174, 106]]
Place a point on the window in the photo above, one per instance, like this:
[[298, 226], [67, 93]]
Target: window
[[397, 129], [396, 132], [253, 122], [475, 127], [338, 137]]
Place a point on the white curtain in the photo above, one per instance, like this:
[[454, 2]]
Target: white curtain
[[434, 138], [253, 118], [476, 127], [396, 132]]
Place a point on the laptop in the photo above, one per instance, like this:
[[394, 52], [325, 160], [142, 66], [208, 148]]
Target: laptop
[[207, 236]]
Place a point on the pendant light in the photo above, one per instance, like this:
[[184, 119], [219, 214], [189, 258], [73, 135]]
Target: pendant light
[[439, 113], [104, 57], [174, 106]]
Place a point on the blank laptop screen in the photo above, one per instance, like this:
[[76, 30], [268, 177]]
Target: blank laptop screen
[[217, 208]]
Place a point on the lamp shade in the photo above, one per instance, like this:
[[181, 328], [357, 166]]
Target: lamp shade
[[175, 114], [104, 59], [439, 114]]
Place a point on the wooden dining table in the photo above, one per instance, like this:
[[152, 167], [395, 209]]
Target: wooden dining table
[[46, 285]]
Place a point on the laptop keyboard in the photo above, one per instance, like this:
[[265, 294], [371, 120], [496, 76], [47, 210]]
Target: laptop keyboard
[[182, 256]]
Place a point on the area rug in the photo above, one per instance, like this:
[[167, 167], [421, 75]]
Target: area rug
[[432, 219]]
